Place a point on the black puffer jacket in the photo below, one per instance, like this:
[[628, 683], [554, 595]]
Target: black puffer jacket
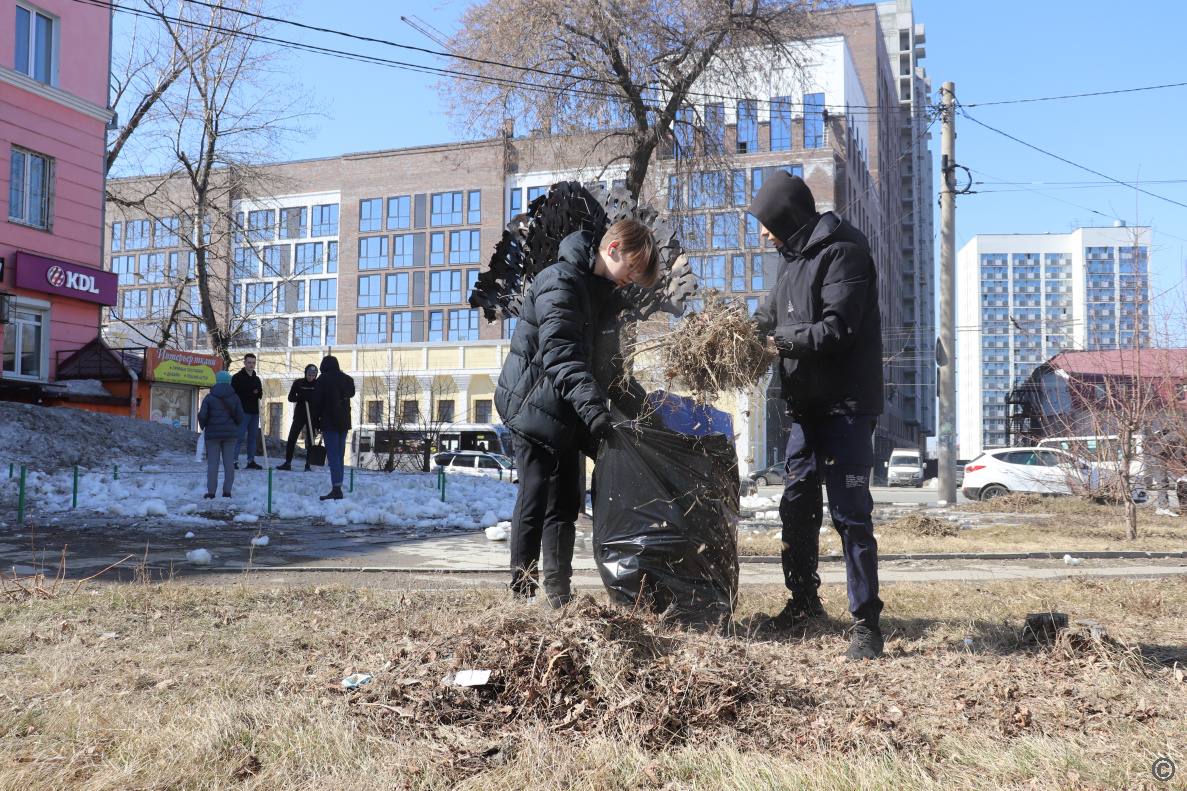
[[823, 312], [547, 388], [330, 400], [300, 394]]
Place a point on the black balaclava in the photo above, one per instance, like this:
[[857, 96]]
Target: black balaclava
[[784, 205]]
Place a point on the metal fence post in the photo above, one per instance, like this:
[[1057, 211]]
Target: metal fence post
[[74, 500], [20, 500]]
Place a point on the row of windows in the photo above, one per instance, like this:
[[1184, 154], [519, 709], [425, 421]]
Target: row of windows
[[711, 272], [152, 267], [161, 233], [408, 211], [746, 137], [262, 226], [414, 326], [283, 260], [717, 189], [1025, 300], [408, 288], [288, 297], [303, 331], [408, 250]]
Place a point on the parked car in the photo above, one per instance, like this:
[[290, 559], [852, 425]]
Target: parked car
[[473, 462], [771, 476], [1036, 470]]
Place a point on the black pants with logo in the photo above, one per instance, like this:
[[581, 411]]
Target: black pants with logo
[[294, 434], [839, 452], [549, 501]]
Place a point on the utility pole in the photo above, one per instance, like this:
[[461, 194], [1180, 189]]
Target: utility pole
[[946, 345]]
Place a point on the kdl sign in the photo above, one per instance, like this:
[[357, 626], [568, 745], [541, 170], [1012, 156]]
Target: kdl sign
[[68, 280]]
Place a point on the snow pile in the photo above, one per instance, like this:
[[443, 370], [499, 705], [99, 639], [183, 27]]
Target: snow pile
[[83, 387], [259, 541], [199, 557], [52, 438], [408, 501], [754, 501]]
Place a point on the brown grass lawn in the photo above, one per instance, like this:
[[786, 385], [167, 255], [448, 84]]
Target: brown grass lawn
[[1019, 524], [237, 688]]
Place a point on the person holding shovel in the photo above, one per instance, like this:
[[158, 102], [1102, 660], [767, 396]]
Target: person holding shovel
[[549, 395], [299, 394], [823, 320]]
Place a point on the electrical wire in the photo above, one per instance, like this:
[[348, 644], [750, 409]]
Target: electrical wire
[[1078, 95]]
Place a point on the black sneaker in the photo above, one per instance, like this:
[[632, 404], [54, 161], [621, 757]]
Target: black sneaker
[[226, 494], [335, 494], [208, 497], [285, 466], [797, 613], [308, 468], [867, 643], [236, 465], [251, 465]]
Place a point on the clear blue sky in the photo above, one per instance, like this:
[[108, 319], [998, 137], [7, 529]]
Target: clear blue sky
[[1008, 49]]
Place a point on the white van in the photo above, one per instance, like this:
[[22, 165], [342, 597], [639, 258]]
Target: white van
[[905, 468]]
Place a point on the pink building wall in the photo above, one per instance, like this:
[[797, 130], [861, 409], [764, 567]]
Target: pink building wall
[[65, 121]]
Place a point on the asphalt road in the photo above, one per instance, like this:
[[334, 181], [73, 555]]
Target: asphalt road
[[885, 494]]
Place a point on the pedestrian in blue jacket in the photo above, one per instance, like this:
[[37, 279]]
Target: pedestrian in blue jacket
[[221, 414]]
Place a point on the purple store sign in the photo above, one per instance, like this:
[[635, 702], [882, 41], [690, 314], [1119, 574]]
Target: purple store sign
[[65, 279]]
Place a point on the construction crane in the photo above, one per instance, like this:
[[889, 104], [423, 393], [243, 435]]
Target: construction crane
[[427, 30]]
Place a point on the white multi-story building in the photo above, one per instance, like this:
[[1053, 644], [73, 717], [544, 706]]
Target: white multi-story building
[[1023, 298]]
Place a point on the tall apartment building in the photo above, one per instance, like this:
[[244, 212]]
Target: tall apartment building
[[1024, 298], [378, 250]]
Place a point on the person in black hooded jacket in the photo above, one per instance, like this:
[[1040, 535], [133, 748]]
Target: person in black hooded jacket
[[299, 394], [822, 318], [553, 389], [330, 407]]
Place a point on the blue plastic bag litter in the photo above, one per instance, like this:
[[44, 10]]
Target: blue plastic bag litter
[[665, 511], [685, 416]]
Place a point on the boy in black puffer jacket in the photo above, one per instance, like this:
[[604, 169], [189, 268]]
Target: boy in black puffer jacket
[[549, 397], [299, 394]]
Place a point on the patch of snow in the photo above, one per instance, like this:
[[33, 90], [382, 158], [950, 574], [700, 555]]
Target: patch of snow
[[259, 541], [496, 533], [189, 535], [250, 519], [152, 508], [199, 557]]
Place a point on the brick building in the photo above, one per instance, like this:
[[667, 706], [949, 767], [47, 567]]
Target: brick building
[[374, 253]]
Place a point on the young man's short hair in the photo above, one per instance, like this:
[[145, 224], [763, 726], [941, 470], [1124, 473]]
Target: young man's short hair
[[249, 354], [637, 246]]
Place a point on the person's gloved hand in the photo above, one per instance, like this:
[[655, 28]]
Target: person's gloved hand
[[602, 426]]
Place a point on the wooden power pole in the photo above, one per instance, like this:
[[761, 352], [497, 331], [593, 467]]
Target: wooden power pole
[[946, 345]]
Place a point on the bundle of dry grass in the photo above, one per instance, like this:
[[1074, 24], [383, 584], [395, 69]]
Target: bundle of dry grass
[[594, 670], [712, 349], [921, 525]]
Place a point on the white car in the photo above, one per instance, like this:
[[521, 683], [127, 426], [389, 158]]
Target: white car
[[473, 462], [1036, 470]]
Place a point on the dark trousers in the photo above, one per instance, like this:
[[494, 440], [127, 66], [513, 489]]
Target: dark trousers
[[549, 501], [838, 451], [295, 434]]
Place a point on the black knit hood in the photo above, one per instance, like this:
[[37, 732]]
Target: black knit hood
[[329, 364], [784, 205]]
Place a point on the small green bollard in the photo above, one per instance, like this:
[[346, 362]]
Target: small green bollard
[[20, 500], [500, 472], [10, 469], [74, 500], [352, 480], [117, 473], [269, 490], [442, 484]]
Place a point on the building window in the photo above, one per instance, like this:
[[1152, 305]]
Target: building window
[[165, 232], [474, 207], [294, 296], [738, 273], [399, 213], [331, 257], [402, 250], [436, 331], [536, 192], [372, 328], [396, 293], [36, 45], [24, 343], [738, 188], [709, 270], [261, 225], [371, 215], [706, 190], [292, 223], [125, 267], [725, 231], [30, 189], [752, 237], [162, 300], [401, 327], [307, 260], [325, 220], [245, 263], [134, 305], [516, 203], [374, 411], [323, 294], [814, 120], [509, 327], [756, 283], [483, 411], [258, 298], [437, 249], [463, 247], [747, 126], [446, 209], [276, 260], [781, 123], [445, 287], [331, 330], [445, 411], [751, 305], [117, 236], [755, 182], [715, 129], [463, 325], [373, 252], [369, 286], [674, 202]]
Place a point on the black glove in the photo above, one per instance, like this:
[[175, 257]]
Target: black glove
[[602, 427]]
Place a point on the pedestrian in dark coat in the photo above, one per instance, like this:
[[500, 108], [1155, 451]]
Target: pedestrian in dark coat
[[550, 398], [250, 390], [330, 405], [220, 415], [299, 395], [822, 317]]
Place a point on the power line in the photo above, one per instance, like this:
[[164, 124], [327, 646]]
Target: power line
[[1069, 162], [1078, 95]]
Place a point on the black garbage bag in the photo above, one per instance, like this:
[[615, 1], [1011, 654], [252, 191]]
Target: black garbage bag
[[666, 523]]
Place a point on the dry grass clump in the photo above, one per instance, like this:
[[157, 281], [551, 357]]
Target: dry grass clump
[[1023, 503], [923, 525], [593, 671], [712, 349]]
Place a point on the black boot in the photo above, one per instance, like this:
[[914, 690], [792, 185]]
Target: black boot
[[308, 468], [867, 643], [285, 466], [335, 494], [798, 612]]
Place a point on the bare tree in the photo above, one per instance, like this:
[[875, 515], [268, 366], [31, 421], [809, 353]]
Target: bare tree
[[213, 108], [630, 74], [407, 421]]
